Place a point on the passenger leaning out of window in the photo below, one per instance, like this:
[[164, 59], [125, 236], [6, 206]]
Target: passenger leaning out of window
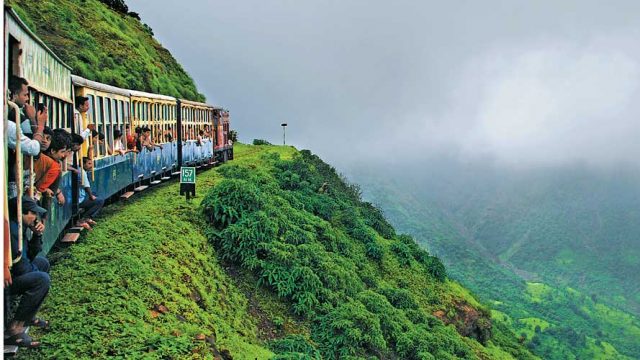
[[88, 201], [29, 275], [118, 146]]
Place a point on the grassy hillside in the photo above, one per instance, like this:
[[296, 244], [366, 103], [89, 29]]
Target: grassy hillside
[[507, 247], [103, 45], [277, 258]]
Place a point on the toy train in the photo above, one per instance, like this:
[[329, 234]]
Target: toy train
[[174, 124]]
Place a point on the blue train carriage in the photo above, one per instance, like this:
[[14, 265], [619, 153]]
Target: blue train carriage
[[109, 112], [196, 129], [224, 146], [49, 84], [158, 113]]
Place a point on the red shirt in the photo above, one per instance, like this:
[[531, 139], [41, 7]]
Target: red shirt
[[47, 171], [131, 142]]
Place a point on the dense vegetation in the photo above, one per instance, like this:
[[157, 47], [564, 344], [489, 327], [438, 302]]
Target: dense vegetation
[[363, 290], [300, 268], [554, 254], [105, 45]]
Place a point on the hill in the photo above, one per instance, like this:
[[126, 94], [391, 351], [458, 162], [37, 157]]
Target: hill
[[277, 258], [104, 45], [553, 250]]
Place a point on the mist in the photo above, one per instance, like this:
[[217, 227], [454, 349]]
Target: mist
[[370, 82]]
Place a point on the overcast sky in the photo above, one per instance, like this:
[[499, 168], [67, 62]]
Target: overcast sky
[[521, 82]]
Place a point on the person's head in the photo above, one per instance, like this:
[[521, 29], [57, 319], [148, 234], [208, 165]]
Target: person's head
[[127, 130], [87, 163], [201, 132], [47, 134], [117, 134], [19, 89], [60, 143], [82, 104], [76, 142], [30, 210], [138, 130]]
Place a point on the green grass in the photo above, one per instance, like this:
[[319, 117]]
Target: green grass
[[147, 253], [154, 252], [105, 46]]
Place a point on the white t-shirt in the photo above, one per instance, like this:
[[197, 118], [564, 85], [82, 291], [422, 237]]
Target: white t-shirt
[[84, 184], [117, 145]]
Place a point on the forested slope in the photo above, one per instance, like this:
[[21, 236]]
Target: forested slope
[[553, 251], [277, 257], [107, 46]]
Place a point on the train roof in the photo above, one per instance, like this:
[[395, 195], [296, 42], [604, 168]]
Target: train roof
[[196, 103], [80, 81], [39, 65], [151, 95]]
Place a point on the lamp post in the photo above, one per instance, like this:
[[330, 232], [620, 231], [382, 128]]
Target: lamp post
[[284, 133]]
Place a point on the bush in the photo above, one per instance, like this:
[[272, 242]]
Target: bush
[[261, 142]]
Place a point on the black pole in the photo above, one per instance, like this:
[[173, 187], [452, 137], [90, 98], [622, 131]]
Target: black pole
[[284, 133]]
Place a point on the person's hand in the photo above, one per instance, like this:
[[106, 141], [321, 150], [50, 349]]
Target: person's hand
[[91, 127], [48, 192], [38, 228], [60, 198], [30, 111], [42, 116], [93, 197]]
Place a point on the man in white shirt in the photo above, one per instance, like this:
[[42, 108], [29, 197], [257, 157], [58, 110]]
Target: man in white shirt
[[20, 96], [82, 106], [91, 203]]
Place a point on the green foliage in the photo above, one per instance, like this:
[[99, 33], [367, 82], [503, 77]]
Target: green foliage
[[537, 230], [101, 41], [334, 300], [294, 347], [304, 233], [260, 142], [147, 253]]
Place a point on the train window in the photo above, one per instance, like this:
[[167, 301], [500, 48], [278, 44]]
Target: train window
[[125, 109], [91, 113], [108, 118], [118, 106], [135, 110], [113, 107], [109, 121], [53, 116], [99, 114], [57, 107]]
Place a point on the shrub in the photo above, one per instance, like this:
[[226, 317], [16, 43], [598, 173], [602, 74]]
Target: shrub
[[350, 330], [260, 142]]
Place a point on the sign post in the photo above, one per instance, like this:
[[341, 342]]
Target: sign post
[[188, 182]]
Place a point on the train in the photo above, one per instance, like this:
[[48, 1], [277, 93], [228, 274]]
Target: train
[[52, 83]]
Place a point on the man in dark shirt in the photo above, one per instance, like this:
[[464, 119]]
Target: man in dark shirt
[[29, 273]]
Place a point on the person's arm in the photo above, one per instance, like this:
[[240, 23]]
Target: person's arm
[[49, 177], [87, 190], [27, 146], [87, 132]]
